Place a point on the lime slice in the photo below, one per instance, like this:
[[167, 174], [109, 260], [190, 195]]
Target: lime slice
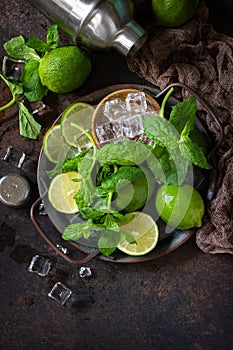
[[79, 114], [146, 234], [54, 145], [62, 190]]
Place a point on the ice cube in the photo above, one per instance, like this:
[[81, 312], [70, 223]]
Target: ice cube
[[85, 272], [132, 126], [60, 293], [136, 103], [15, 156], [114, 109], [146, 140], [109, 132], [40, 265], [12, 68], [117, 128], [104, 132], [34, 107], [64, 250]]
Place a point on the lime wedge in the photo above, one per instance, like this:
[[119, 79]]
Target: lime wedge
[[62, 190], [79, 114], [54, 145], [146, 234]]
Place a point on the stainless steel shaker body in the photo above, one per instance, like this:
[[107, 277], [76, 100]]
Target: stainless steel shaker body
[[98, 24]]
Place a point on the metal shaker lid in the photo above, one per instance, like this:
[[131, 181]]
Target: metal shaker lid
[[130, 39], [14, 190]]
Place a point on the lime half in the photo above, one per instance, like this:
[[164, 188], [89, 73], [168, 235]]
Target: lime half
[[146, 234], [54, 145], [75, 121], [62, 190]]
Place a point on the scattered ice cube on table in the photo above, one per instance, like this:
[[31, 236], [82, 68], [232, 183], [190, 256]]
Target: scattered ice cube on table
[[40, 265], [136, 103], [15, 156], [64, 250], [34, 107], [85, 272], [60, 293], [114, 109], [12, 68]]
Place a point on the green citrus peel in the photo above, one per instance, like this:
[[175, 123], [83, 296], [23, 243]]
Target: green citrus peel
[[47, 67]]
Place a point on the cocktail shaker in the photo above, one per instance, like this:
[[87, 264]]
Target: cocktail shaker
[[98, 24]]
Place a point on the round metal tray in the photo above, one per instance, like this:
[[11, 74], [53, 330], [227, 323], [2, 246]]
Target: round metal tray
[[167, 242]]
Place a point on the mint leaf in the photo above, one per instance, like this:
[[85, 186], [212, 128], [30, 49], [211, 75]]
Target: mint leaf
[[37, 44], [161, 131], [168, 165], [17, 48], [125, 235], [72, 164], [128, 151], [180, 166], [56, 170], [192, 151], [16, 90], [27, 125], [110, 223], [182, 113], [51, 40], [33, 89], [52, 37], [108, 241], [126, 173], [75, 231]]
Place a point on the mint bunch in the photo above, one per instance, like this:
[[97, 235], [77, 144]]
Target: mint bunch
[[175, 151], [30, 86]]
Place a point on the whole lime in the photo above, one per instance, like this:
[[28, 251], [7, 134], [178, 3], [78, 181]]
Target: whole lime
[[180, 206], [172, 13], [64, 69], [135, 195]]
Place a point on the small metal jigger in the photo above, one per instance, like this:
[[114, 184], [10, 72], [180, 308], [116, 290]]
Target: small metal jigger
[[14, 190]]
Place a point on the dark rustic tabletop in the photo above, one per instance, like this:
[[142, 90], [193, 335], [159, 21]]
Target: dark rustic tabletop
[[182, 300]]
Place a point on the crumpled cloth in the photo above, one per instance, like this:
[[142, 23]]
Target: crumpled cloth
[[198, 56]]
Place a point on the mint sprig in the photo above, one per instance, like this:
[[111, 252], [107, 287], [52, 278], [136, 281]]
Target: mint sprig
[[30, 86], [174, 151], [17, 48]]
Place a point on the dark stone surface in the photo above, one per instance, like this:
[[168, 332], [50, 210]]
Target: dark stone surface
[[180, 301]]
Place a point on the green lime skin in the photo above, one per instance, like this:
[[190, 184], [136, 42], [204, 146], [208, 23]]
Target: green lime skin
[[64, 69], [135, 195], [172, 13], [181, 207]]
